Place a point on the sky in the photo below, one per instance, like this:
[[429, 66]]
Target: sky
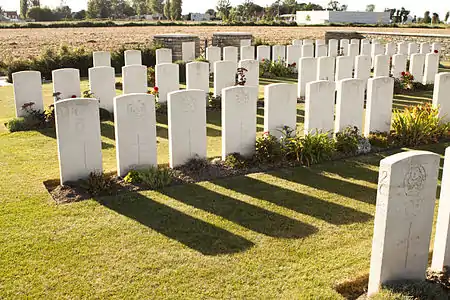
[[417, 7]]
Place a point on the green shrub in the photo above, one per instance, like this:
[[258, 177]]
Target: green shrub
[[309, 149], [236, 161], [271, 69], [347, 141], [106, 115], [196, 164], [17, 124], [151, 76], [418, 125], [152, 177], [268, 149], [161, 108], [214, 102], [404, 290], [98, 184], [33, 120]]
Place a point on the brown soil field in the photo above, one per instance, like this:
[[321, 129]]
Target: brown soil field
[[23, 43]]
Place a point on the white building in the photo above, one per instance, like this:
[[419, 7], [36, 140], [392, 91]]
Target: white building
[[356, 17], [200, 17]]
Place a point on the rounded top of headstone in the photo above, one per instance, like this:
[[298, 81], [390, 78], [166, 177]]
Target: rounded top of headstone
[[232, 33], [175, 35]]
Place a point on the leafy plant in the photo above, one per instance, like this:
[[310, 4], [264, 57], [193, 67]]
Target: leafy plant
[[418, 125], [196, 164], [98, 183], [347, 141], [88, 94], [33, 120], [133, 177], [310, 149], [268, 149], [380, 139], [215, 102], [151, 76], [152, 177], [236, 161], [271, 69]]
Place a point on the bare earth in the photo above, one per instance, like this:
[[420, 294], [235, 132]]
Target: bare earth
[[23, 43]]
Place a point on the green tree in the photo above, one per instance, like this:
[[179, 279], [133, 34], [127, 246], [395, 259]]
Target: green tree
[[140, 7], [167, 10], [211, 12], [370, 7], [99, 9], [223, 9], [157, 6], [447, 15], [42, 14], [23, 8], [435, 19], [335, 5], [80, 15], [426, 17], [63, 12], [175, 9]]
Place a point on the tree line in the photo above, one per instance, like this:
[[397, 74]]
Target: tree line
[[172, 10]]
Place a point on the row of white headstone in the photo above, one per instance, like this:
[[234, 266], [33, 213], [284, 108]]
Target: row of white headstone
[[423, 67], [78, 133], [405, 206]]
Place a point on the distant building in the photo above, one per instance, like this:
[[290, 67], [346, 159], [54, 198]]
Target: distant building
[[355, 17], [200, 17], [288, 17], [11, 16]]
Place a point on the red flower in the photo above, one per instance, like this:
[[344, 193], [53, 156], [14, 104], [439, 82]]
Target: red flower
[[263, 60], [403, 73], [73, 96], [435, 51], [156, 89], [294, 64], [266, 133]]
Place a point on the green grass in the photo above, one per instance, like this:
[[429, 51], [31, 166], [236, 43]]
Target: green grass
[[286, 234]]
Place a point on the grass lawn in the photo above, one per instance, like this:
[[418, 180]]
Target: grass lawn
[[286, 234]]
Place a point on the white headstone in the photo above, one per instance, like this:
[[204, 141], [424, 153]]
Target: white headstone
[[280, 108], [247, 52], [417, 66], [435, 47], [163, 56], [413, 48], [213, 54], [279, 53], [135, 132], [101, 59], [188, 51], [230, 53], [197, 76], [333, 47], [102, 83], [133, 57], [307, 72], [263, 52], [344, 67], [319, 106], [353, 50], [224, 76], [402, 48], [355, 41], [377, 49], [366, 49], [440, 95], [343, 44], [325, 68], [134, 79], [66, 82], [321, 50], [398, 65], [362, 67], [349, 104], [308, 50], [431, 68], [167, 79], [27, 88], [365, 41], [187, 126], [297, 42], [375, 41], [245, 43], [320, 42], [78, 138], [308, 42], [252, 74], [381, 65], [441, 249], [380, 94], [239, 120], [390, 49], [293, 55], [404, 217], [425, 48]]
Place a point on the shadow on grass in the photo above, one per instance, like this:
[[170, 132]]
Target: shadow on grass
[[239, 212], [107, 130], [194, 233], [300, 115], [48, 132], [303, 203]]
